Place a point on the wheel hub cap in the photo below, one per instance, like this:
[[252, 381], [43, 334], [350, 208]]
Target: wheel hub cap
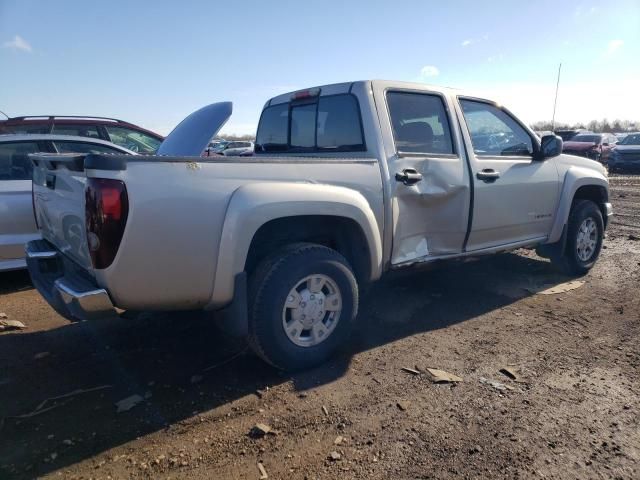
[[312, 310], [587, 240]]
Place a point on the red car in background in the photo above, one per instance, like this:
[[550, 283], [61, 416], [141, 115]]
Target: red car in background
[[596, 146]]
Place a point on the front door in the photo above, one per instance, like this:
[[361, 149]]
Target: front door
[[429, 178], [515, 196]]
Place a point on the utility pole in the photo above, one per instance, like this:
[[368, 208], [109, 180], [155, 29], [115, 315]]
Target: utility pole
[[555, 102]]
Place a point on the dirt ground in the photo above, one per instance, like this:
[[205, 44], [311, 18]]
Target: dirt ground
[[573, 413]]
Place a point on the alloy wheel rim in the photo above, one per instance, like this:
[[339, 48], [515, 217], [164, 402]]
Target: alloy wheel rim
[[312, 310], [587, 240]]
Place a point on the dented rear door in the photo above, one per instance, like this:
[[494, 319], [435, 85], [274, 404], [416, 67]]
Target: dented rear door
[[429, 178]]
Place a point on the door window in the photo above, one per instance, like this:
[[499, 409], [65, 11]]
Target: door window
[[79, 147], [133, 140], [494, 132], [14, 160], [420, 123]]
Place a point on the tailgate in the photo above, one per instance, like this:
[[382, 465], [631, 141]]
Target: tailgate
[[58, 195]]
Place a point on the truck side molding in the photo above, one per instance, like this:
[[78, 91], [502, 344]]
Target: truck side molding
[[252, 206]]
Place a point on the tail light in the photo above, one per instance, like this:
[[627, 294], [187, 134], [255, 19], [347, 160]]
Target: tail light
[[106, 211]]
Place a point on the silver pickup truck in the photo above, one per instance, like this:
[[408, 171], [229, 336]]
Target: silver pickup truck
[[347, 182]]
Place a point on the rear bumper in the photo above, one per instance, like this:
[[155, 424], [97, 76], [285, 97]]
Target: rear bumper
[[69, 289]]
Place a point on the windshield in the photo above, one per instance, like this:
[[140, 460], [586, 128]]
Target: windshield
[[586, 138], [633, 139]]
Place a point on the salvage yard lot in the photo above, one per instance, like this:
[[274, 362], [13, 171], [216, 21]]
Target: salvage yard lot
[[573, 413]]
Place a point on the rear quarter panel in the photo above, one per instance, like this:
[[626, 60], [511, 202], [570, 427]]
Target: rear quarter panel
[[169, 252]]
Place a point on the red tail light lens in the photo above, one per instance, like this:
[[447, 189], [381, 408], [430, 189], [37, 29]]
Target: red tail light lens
[[106, 211]]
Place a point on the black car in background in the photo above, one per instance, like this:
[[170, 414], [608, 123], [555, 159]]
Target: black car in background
[[625, 157]]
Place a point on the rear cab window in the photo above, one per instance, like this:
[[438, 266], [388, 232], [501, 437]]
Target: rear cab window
[[330, 123]]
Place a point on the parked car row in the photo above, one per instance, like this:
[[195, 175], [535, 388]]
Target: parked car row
[[123, 134], [620, 152]]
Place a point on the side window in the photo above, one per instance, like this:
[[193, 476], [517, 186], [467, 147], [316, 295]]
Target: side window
[[420, 123], [14, 160], [494, 132], [25, 128], [133, 139], [79, 130], [79, 147]]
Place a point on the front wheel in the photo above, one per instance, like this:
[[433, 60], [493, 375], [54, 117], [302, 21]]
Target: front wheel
[[585, 233], [303, 300]]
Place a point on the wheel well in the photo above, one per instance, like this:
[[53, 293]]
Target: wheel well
[[596, 194], [339, 233]]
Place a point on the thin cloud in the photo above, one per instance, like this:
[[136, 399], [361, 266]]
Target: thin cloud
[[467, 42], [19, 44], [614, 46], [471, 41], [429, 71]]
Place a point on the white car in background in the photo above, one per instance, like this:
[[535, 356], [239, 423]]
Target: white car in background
[[238, 149], [17, 222]]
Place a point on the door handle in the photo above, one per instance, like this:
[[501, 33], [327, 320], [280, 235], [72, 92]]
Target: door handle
[[409, 176], [488, 175]]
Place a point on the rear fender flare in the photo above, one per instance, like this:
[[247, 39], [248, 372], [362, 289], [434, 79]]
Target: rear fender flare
[[253, 205]]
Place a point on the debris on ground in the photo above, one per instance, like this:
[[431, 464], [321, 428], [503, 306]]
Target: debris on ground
[[555, 289], [410, 370], [403, 405], [335, 456], [339, 439], [324, 410], [633, 237], [259, 430], [6, 324], [440, 376], [497, 385], [128, 403], [40, 355], [263, 471], [508, 372]]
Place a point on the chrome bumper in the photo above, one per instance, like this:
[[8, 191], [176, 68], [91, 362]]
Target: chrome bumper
[[69, 289]]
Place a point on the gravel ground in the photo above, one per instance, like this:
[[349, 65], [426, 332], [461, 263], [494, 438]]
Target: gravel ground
[[573, 411]]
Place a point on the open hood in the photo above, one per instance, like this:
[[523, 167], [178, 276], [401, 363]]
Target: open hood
[[193, 134]]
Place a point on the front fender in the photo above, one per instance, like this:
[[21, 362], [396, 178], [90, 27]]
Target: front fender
[[574, 178], [253, 205]]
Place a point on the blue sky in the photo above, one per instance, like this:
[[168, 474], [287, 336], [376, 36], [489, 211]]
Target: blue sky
[[154, 62]]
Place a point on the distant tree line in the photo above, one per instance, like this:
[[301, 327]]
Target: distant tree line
[[598, 126]]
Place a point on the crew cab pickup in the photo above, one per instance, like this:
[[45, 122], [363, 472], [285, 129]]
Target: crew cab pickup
[[347, 182]]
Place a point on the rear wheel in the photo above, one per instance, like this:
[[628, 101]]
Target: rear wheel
[[585, 232], [303, 300]]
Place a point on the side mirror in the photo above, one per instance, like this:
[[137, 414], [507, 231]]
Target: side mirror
[[550, 146]]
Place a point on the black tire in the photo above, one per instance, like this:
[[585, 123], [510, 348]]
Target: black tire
[[270, 285], [581, 210]]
